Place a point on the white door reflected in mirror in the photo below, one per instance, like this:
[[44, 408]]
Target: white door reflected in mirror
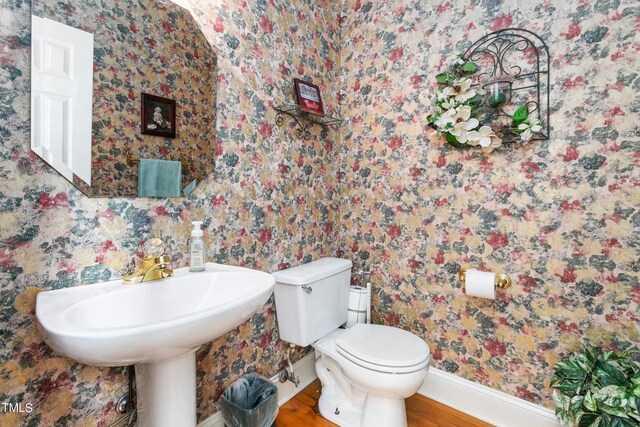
[[61, 97]]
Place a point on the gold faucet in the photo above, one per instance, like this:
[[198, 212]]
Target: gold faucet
[[154, 265]]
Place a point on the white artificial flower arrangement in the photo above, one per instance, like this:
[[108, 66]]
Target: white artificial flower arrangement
[[458, 103], [528, 128]]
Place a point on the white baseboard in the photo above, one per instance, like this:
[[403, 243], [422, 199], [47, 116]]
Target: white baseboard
[[214, 420], [485, 403], [305, 370]]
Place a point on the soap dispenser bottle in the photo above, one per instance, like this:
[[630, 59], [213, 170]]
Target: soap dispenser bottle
[[196, 248]]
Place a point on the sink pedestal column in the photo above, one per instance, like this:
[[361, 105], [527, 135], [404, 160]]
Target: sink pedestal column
[[167, 392]]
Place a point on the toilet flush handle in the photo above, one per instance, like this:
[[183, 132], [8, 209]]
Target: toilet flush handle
[[307, 289]]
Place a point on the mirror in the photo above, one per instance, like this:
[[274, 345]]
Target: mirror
[[149, 47]]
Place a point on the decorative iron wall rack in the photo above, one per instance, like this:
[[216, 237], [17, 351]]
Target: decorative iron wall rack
[[523, 57], [304, 121]]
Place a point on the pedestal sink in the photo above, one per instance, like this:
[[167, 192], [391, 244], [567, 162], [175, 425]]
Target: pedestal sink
[[157, 326]]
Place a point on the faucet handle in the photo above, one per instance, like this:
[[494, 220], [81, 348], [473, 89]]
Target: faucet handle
[[153, 248]]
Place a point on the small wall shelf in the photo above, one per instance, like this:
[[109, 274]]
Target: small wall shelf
[[304, 120]]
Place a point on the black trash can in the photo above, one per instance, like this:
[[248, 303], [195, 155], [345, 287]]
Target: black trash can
[[251, 401]]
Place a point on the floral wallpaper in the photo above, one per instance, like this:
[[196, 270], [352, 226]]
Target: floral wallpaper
[[152, 47], [560, 216], [271, 202]]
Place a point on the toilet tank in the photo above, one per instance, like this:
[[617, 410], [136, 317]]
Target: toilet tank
[[312, 299]]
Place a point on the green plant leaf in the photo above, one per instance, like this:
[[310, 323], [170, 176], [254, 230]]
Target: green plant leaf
[[585, 362], [444, 78], [616, 412], [520, 115], [635, 380], [475, 101], [451, 139], [469, 67], [610, 374], [610, 395], [569, 387], [576, 405], [569, 369], [561, 400], [634, 403], [622, 422], [589, 420], [593, 353], [627, 364], [563, 416], [590, 402]]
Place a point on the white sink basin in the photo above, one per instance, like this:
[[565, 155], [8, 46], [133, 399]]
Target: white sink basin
[[157, 326], [116, 324]]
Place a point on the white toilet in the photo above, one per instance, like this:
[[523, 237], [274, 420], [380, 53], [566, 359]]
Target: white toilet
[[366, 371]]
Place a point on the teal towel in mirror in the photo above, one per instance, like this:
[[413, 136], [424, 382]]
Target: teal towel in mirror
[[159, 178]]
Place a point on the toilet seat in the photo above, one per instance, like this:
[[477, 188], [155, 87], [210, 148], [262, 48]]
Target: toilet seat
[[383, 348]]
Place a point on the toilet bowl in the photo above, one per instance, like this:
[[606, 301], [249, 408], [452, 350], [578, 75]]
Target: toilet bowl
[[388, 368], [366, 371]]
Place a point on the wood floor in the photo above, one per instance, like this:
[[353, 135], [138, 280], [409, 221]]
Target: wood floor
[[301, 411]]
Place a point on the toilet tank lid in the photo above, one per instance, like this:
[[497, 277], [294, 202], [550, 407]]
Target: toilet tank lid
[[312, 272]]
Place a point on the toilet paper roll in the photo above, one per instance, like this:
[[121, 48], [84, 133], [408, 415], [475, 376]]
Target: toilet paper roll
[[357, 298], [480, 284], [358, 302]]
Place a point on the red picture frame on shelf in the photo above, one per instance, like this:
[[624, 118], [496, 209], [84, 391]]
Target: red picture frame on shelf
[[309, 98]]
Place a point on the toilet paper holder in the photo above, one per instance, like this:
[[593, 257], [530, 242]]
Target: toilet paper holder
[[503, 281]]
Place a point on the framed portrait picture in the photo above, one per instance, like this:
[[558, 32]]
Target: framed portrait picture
[[158, 116], [309, 98]]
